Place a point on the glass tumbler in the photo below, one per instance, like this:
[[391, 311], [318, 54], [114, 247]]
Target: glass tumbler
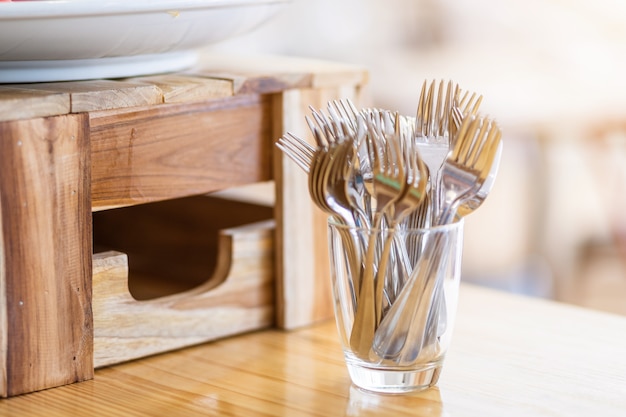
[[395, 296]]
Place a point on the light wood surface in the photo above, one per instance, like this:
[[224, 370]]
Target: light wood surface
[[211, 248], [305, 294], [510, 356], [173, 151], [23, 103], [95, 95]]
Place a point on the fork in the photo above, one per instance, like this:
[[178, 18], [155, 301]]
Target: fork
[[466, 104], [433, 114], [466, 180], [463, 173], [433, 128], [297, 149], [469, 164], [389, 183], [410, 199]]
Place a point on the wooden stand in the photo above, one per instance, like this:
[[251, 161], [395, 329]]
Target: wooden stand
[[67, 149]]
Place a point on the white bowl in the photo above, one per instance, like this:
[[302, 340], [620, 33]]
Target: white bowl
[[83, 39]]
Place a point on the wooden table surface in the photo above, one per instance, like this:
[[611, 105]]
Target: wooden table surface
[[510, 356]]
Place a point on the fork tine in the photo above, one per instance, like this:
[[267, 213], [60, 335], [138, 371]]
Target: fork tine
[[460, 97], [489, 150], [291, 145], [397, 156], [457, 116], [345, 113], [461, 138], [301, 143], [448, 106], [317, 134], [372, 141], [349, 107], [477, 143], [430, 104], [470, 142], [295, 158], [325, 126], [438, 110], [469, 104], [340, 122], [419, 116], [474, 110]]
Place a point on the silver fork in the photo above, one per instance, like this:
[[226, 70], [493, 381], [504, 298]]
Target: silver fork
[[463, 173], [297, 149], [336, 127], [432, 128], [469, 164], [466, 104], [410, 199], [389, 182], [433, 110]]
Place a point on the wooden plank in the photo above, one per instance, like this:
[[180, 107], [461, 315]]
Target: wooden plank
[[181, 88], [238, 297], [45, 246], [304, 292], [102, 94], [173, 245], [177, 150], [271, 74], [24, 103]]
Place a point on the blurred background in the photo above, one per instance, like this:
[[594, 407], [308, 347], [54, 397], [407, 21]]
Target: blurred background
[[552, 73]]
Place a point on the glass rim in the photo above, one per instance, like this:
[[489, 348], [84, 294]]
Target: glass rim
[[456, 224]]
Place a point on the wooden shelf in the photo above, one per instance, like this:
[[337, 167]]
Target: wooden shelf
[[68, 150]]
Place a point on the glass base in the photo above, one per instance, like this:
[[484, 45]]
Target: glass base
[[392, 381]]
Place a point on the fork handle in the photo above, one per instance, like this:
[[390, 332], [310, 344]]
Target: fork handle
[[364, 323], [406, 320]]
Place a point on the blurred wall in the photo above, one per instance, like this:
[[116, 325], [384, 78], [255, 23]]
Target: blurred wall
[[551, 73]]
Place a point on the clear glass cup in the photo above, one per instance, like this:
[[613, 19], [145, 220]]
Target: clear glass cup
[[395, 297]]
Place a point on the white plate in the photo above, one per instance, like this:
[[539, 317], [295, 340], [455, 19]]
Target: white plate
[[85, 39]]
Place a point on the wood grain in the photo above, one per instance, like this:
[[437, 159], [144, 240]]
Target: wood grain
[[239, 297], [101, 94], [271, 74], [177, 150], [45, 251], [182, 88], [510, 356], [26, 103], [303, 288], [173, 245]]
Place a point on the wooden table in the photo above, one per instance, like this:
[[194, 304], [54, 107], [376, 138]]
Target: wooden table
[[70, 149], [510, 356]]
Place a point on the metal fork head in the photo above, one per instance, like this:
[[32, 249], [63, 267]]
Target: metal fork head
[[433, 110], [297, 149], [468, 102], [468, 164], [329, 129], [347, 110], [327, 177], [416, 169], [389, 172], [477, 144], [465, 104], [468, 206]]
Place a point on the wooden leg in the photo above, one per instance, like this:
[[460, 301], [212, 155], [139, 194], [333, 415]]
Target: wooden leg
[[46, 330], [303, 277]]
